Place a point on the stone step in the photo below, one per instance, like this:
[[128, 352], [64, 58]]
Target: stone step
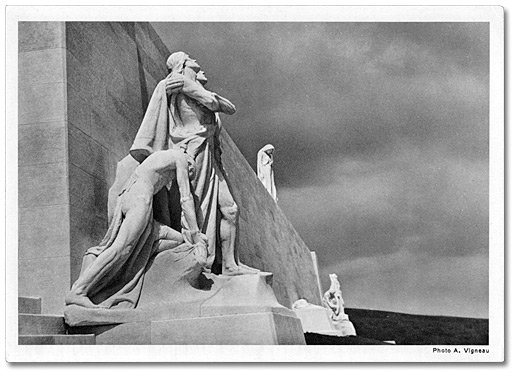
[[57, 340], [29, 305], [29, 324]]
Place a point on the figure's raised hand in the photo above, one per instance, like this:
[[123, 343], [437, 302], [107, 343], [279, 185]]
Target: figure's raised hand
[[200, 238], [174, 84]]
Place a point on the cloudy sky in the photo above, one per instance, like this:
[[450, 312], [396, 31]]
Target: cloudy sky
[[381, 136]]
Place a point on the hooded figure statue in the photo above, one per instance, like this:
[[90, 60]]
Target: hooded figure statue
[[264, 169]]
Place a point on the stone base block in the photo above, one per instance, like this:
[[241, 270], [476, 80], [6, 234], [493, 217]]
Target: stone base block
[[266, 328], [317, 319], [57, 340], [236, 310], [345, 327], [314, 319], [245, 329], [30, 324], [29, 305]]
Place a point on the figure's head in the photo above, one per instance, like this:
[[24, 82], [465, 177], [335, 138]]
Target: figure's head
[[180, 62], [268, 149], [177, 61], [201, 77]]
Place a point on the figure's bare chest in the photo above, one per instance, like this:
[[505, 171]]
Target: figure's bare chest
[[193, 112]]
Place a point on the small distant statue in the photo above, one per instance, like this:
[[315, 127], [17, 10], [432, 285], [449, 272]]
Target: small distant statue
[[333, 299], [265, 170]]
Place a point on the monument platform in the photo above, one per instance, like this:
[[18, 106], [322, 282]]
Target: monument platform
[[180, 304], [317, 319]]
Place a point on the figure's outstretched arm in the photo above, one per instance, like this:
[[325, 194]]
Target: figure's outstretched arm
[[196, 91], [225, 106]]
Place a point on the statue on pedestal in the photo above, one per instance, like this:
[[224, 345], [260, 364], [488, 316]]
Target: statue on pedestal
[[167, 271], [176, 152], [333, 301]]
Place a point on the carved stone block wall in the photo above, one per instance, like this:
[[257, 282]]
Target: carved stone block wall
[[112, 70], [43, 195], [83, 90]]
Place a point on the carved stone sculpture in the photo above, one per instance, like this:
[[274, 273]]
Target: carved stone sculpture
[[183, 113], [173, 170], [264, 169], [112, 273], [333, 300], [173, 176]]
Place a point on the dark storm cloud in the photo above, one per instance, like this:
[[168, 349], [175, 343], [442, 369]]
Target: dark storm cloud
[[329, 90], [381, 136]]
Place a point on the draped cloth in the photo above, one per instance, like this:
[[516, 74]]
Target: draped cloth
[[162, 128], [153, 133], [121, 286]]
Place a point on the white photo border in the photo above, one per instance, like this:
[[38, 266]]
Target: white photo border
[[218, 353]]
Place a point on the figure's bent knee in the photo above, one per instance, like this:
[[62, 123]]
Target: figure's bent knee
[[230, 213]]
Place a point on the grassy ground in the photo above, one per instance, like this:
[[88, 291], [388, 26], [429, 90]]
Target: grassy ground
[[373, 326], [317, 339]]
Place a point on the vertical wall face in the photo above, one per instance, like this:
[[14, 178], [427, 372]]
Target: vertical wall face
[[266, 239], [112, 69], [83, 91], [42, 159]]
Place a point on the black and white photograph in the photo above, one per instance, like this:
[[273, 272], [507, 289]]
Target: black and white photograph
[[255, 184]]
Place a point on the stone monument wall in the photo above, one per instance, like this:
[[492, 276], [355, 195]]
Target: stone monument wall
[[112, 70], [266, 238], [43, 197], [83, 90]]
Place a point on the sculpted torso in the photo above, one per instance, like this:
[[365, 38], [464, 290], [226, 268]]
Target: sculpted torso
[[195, 117], [159, 169]]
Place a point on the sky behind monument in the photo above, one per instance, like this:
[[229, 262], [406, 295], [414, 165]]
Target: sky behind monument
[[381, 135]]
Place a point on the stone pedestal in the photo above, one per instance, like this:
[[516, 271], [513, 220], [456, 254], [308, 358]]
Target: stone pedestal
[[317, 319], [179, 305], [264, 328], [345, 327]]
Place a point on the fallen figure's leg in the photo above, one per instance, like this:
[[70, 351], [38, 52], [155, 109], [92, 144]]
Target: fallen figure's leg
[[137, 210]]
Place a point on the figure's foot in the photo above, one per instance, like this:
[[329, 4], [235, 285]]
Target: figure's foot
[[79, 300], [237, 271]]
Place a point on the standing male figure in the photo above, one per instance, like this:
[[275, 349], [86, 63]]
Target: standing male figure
[[183, 113]]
